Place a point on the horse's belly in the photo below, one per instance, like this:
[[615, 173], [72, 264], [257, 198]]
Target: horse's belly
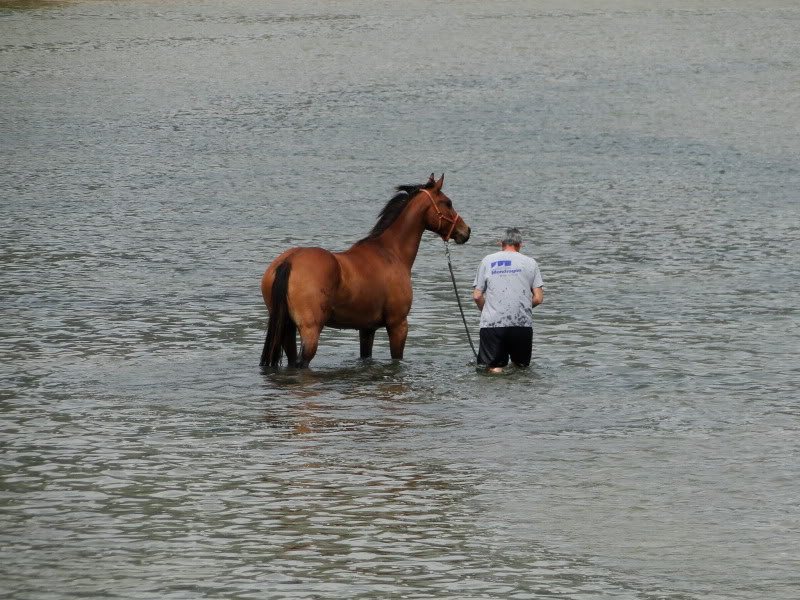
[[337, 321]]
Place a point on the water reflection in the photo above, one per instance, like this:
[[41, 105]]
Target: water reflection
[[364, 395]]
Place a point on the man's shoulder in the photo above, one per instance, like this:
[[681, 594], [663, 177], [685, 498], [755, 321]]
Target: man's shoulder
[[494, 256], [526, 259]]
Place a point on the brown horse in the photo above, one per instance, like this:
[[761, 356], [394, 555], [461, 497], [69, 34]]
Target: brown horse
[[364, 288]]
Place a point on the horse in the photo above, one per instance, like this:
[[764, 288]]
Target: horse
[[365, 288]]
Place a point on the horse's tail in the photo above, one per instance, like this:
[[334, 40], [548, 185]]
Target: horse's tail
[[280, 325]]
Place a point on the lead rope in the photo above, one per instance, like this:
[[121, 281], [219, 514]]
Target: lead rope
[[458, 299]]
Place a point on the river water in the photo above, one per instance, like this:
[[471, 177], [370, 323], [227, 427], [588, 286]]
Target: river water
[[156, 156]]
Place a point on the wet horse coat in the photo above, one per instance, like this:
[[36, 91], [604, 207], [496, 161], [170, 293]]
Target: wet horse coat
[[365, 288]]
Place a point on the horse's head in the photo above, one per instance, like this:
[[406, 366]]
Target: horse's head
[[441, 217]]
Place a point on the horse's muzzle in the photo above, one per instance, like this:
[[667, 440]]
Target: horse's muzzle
[[461, 237]]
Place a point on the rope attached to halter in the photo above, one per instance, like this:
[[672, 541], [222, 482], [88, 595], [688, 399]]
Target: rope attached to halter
[[458, 299]]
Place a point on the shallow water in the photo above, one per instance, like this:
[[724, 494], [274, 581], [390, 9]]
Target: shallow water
[[157, 155]]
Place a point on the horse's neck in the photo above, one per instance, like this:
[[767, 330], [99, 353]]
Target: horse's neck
[[402, 238]]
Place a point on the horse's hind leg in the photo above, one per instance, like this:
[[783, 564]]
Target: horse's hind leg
[[315, 276], [366, 337], [309, 341]]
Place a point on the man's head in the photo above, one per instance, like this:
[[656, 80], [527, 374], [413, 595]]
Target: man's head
[[513, 238]]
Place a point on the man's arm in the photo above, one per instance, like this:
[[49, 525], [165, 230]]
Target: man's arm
[[477, 295], [538, 296]]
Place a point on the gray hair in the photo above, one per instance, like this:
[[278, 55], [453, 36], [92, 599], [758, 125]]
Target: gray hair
[[513, 237]]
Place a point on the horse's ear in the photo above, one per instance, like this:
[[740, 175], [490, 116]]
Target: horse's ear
[[438, 185], [431, 180]]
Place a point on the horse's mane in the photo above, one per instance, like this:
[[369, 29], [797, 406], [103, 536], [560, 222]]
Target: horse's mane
[[394, 207]]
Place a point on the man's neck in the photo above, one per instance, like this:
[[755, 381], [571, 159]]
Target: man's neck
[[510, 249]]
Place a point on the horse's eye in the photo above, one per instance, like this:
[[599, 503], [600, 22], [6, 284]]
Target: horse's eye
[[448, 204]]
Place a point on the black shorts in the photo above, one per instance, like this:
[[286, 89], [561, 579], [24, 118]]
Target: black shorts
[[498, 343]]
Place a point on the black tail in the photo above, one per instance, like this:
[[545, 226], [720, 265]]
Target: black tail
[[280, 325]]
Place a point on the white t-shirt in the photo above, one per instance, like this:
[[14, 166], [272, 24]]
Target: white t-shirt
[[506, 279]]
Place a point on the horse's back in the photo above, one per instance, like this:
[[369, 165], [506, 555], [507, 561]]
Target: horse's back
[[356, 289]]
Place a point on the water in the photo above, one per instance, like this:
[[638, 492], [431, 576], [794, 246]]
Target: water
[[157, 155]]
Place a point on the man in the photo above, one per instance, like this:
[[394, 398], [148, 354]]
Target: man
[[507, 287]]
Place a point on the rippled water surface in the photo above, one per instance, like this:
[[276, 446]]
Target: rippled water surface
[[156, 156]]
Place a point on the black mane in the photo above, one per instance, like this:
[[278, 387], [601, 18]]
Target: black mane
[[395, 206]]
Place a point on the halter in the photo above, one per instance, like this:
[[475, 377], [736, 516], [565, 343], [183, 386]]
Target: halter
[[442, 217]]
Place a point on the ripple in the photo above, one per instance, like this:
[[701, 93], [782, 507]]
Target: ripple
[[157, 157]]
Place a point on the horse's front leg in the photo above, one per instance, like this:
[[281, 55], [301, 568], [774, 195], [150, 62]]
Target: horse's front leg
[[397, 338], [366, 337]]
